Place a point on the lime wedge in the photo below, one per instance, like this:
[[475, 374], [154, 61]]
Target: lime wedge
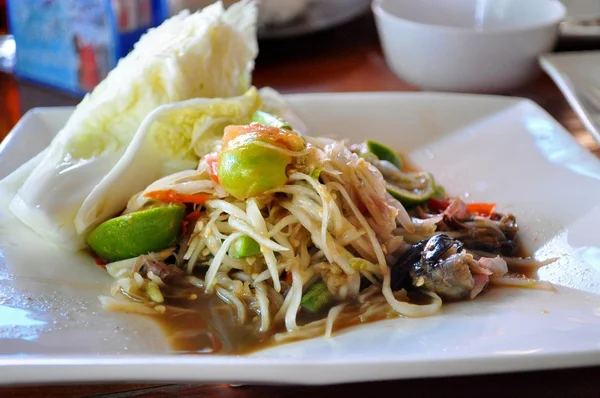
[[266, 119], [384, 152], [137, 233], [439, 192], [413, 188]]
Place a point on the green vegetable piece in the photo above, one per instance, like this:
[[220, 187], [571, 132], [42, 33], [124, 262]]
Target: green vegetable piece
[[384, 152], [316, 173], [154, 292], [413, 189], [252, 169], [266, 119], [134, 234], [367, 155], [245, 246], [439, 192], [317, 298]]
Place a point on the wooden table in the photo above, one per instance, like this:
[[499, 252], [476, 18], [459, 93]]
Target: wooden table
[[343, 59]]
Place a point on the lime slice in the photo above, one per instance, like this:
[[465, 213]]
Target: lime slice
[[439, 192], [413, 188], [266, 119], [137, 233], [252, 169], [384, 152]]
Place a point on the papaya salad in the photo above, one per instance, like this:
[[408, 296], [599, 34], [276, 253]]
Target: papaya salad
[[207, 200], [277, 224]]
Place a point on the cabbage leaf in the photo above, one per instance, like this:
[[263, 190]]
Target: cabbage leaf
[[153, 114]]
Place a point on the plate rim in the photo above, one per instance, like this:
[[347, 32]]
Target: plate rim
[[59, 369]]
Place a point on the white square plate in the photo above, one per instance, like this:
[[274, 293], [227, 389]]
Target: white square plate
[[499, 149]]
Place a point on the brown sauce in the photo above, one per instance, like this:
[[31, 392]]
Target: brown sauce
[[207, 325], [527, 272]]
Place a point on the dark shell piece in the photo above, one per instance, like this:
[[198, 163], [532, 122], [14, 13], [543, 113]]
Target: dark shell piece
[[399, 271], [419, 257], [168, 273], [486, 239], [437, 246]]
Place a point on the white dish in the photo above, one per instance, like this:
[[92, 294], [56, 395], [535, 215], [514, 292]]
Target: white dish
[[467, 45], [576, 75], [493, 148], [314, 17], [320, 15]]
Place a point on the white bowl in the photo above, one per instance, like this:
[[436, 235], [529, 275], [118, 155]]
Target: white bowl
[[467, 45]]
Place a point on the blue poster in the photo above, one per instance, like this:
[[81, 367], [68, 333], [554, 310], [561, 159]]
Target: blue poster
[[73, 44]]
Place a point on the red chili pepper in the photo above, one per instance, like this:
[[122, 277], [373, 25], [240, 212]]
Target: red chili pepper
[[170, 196], [288, 278], [193, 216]]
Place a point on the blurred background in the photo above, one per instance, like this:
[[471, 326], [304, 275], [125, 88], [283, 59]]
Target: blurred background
[[3, 19], [71, 45], [54, 51]]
